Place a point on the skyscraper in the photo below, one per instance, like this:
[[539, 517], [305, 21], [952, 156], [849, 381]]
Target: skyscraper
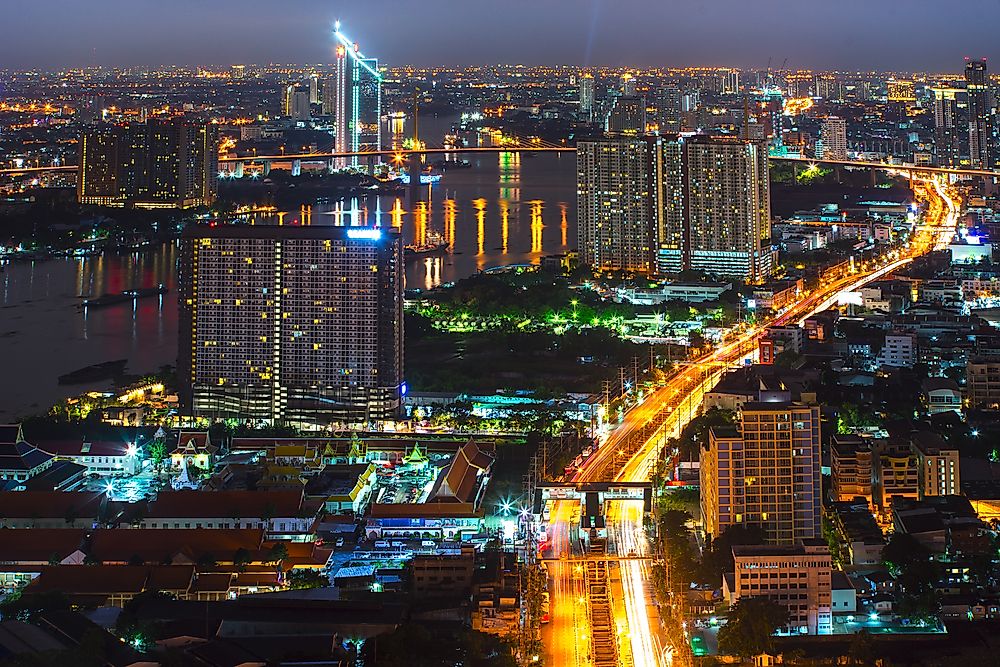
[[692, 202], [629, 85], [731, 82], [947, 147], [314, 97], [616, 224], [587, 96], [356, 99], [289, 323], [833, 135], [765, 473], [627, 117], [157, 164], [728, 207], [980, 120], [669, 105]]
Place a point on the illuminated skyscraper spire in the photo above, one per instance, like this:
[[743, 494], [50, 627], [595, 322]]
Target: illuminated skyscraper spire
[[357, 98]]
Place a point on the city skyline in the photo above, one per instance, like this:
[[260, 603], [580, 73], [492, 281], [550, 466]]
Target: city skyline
[[632, 33]]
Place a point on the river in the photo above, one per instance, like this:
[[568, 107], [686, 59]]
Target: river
[[506, 209]]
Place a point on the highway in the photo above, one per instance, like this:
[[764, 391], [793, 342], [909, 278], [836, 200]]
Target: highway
[[663, 414]]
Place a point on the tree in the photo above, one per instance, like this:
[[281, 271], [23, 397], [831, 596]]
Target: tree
[[751, 627], [241, 559], [158, 453], [916, 573], [307, 578], [277, 554]]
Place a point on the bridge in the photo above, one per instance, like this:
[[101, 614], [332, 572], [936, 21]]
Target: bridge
[[402, 156]]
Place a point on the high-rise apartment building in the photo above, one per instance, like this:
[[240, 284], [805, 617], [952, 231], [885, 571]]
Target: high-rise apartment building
[[765, 473], [833, 135], [616, 224], [731, 82], [947, 146], [314, 89], [728, 207], [977, 82], [628, 117], [699, 202], [157, 164], [668, 102], [587, 96], [299, 324]]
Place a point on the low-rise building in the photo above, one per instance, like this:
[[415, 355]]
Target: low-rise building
[[51, 509], [99, 457], [282, 514], [798, 577], [19, 460], [982, 383], [195, 449], [673, 291], [443, 575], [940, 394]]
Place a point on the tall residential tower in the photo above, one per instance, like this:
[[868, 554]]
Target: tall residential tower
[[299, 324]]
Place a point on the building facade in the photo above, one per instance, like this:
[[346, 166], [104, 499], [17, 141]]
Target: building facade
[[291, 323], [157, 164], [616, 224], [977, 86], [833, 134], [766, 473], [797, 577], [947, 145]]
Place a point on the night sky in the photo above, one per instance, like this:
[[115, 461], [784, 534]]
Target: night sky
[[847, 34]]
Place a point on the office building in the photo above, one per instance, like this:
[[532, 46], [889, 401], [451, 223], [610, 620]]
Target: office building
[[977, 82], [627, 117], [833, 135], [294, 324], [765, 473], [798, 577], [947, 144], [157, 164], [587, 96], [238, 71], [728, 208], [616, 223]]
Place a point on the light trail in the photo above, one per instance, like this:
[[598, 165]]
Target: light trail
[[682, 397]]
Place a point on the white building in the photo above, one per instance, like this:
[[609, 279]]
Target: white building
[[796, 577], [899, 350], [99, 457]]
